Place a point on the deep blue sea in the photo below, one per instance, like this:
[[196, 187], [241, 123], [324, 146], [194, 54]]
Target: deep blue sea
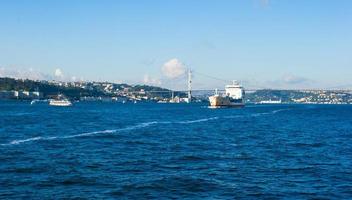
[[175, 151]]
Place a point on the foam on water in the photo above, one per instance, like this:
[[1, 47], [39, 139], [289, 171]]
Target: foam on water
[[88, 134], [134, 127], [25, 140], [268, 113], [138, 126], [129, 128], [146, 151], [18, 114], [280, 110], [255, 114], [197, 121]]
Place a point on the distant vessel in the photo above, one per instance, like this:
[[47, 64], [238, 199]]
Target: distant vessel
[[60, 101], [162, 101], [233, 97], [271, 102]]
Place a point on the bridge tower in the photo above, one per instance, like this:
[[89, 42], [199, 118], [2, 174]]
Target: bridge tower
[[189, 85]]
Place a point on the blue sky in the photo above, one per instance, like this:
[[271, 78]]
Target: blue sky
[[264, 43]]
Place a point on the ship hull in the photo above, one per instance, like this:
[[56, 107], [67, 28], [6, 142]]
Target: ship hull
[[60, 103], [217, 101]]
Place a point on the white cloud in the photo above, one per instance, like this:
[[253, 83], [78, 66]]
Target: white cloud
[[173, 69], [58, 73], [151, 81], [32, 74], [23, 74]]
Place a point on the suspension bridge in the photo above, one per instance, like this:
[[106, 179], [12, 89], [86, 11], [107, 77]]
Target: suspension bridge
[[190, 91]]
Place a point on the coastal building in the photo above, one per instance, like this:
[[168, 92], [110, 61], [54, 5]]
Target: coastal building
[[20, 95]]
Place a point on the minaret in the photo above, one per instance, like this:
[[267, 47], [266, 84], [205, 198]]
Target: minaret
[[189, 86]]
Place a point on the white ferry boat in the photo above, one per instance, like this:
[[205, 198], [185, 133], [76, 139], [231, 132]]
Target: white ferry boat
[[61, 101], [271, 102], [233, 97]]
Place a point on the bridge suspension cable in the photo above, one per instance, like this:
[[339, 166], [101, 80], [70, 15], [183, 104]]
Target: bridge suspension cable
[[211, 77]]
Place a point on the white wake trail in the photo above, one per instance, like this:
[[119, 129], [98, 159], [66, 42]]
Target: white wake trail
[[110, 131], [14, 142], [269, 113], [197, 121], [129, 128]]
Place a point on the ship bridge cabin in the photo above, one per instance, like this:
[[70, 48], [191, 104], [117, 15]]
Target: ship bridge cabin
[[234, 91]]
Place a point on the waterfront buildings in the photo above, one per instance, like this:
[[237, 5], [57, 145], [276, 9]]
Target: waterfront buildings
[[20, 95]]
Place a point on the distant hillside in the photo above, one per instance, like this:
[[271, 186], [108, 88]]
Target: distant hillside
[[296, 96], [77, 90], [46, 88], [284, 95]]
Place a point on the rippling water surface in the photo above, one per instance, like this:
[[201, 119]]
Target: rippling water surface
[[107, 150]]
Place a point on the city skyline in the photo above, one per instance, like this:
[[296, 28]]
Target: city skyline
[[287, 44]]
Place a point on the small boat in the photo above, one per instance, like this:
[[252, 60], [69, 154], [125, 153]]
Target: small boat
[[162, 101], [60, 101], [271, 102]]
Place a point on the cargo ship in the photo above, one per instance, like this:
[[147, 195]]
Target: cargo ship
[[233, 97]]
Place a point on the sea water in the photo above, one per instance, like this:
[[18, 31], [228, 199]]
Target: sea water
[[180, 151]]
